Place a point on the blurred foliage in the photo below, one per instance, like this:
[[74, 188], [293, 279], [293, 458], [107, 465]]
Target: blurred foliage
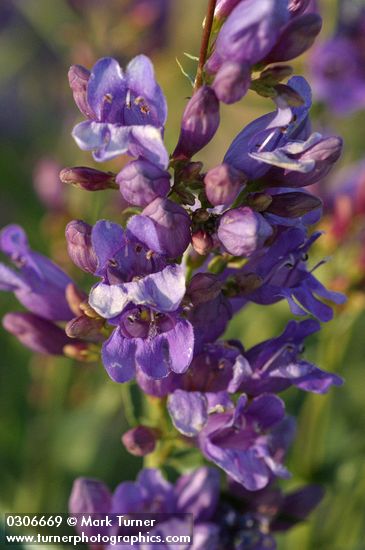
[[58, 419]]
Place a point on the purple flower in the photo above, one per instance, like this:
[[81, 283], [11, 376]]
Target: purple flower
[[271, 132], [301, 163], [237, 439], [196, 493], [141, 182], [163, 226], [118, 256], [38, 283], [36, 333], [150, 332], [281, 273], [222, 184], [276, 364], [126, 111], [199, 123], [242, 231], [249, 33]]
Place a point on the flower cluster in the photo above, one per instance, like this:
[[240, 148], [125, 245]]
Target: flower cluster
[[200, 246]]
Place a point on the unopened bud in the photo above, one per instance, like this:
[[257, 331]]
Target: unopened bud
[[85, 328], [140, 182], [89, 179], [163, 226], [203, 287], [202, 242], [199, 123], [140, 441], [222, 184], [75, 297], [78, 78], [242, 231], [79, 247], [36, 333]]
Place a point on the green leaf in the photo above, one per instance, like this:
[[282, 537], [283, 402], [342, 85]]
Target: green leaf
[[187, 75]]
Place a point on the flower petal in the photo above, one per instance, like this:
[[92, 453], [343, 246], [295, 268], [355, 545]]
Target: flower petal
[[118, 355], [188, 411]]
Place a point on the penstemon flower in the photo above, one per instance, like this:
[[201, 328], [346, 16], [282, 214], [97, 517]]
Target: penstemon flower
[[198, 245]]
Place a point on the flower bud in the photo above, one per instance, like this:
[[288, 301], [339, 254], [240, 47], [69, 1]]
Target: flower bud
[[36, 333], [203, 287], [78, 78], [139, 441], [296, 38], [223, 183], [75, 297], [140, 182], [293, 204], [243, 231], [202, 242], [85, 328], [79, 247], [199, 123], [88, 178], [163, 226], [232, 81]]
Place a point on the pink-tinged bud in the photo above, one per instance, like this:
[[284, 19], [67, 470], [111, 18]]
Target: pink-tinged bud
[[85, 328], [90, 496], [232, 81], [75, 297], [224, 8], [296, 38], [140, 441], [36, 333], [78, 78], [140, 182], [242, 231], [88, 178], [203, 287], [293, 204], [47, 184], [202, 242], [222, 184], [79, 247], [199, 123]]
